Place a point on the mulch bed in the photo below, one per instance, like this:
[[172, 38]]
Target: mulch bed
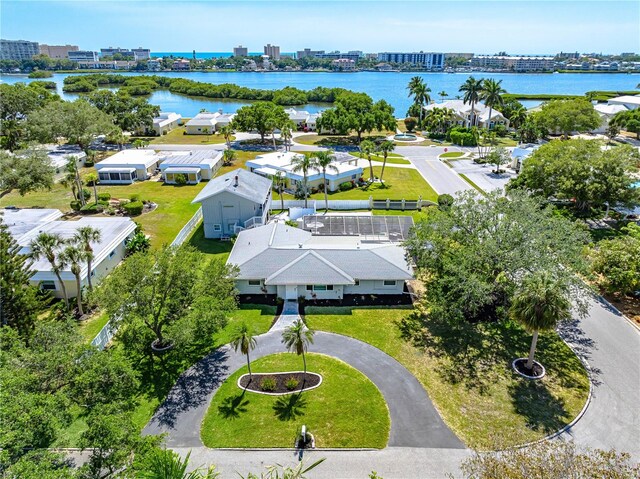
[[534, 372], [312, 380], [362, 300]]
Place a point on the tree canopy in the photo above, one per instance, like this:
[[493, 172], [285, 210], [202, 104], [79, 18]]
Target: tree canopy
[[262, 116], [616, 262], [628, 121], [129, 113], [568, 116], [25, 171], [473, 255], [578, 170]]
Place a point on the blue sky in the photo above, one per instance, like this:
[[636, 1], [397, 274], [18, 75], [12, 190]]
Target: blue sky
[[538, 26]]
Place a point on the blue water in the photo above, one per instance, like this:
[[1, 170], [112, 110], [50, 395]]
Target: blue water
[[390, 86]]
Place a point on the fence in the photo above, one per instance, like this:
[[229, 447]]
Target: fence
[[106, 333], [369, 204]]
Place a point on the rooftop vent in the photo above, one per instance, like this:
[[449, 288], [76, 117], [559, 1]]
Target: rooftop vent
[[236, 181]]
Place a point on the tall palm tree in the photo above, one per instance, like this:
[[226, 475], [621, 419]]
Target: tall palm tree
[[72, 179], [471, 89], [541, 302], [280, 182], [286, 133], [324, 161], [84, 237], [443, 94], [74, 256], [385, 148], [492, 95], [46, 245], [244, 341], [368, 148], [227, 132], [419, 90], [297, 339], [303, 163], [518, 116]]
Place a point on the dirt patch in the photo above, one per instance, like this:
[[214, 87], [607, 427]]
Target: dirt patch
[[280, 383], [629, 306]]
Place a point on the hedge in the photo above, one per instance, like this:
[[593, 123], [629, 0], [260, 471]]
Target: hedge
[[134, 208], [104, 196]]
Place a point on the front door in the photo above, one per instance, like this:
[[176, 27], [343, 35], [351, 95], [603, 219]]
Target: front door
[[291, 292]]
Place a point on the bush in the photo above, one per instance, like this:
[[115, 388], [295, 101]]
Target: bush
[[500, 130], [410, 123], [86, 193], [268, 384], [292, 383], [180, 179], [462, 136], [103, 202], [292, 223], [135, 197], [104, 196], [134, 208], [89, 163], [346, 186], [75, 205], [445, 201], [92, 208]]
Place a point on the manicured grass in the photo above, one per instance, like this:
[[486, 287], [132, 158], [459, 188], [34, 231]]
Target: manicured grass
[[328, 140], [177, 136], [452, 154], [392, 158], [400, 183], [467, 372], [209, 246], [468, 180], [92, 326], [346, 410]]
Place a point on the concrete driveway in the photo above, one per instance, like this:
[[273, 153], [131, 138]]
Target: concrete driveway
[[481, 174]]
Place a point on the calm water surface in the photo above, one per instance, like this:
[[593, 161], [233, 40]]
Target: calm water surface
[[390, 86]]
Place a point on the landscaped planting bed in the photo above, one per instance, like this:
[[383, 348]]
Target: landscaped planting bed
[[280, 383]]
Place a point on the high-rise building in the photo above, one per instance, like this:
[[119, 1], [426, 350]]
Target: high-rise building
[[57, 51], [83, 56], [429, 60], [273, 51], [18, 49], [307, 52], [109, 52], [518, 64], [141, 53], [240, 51], [336, 55]]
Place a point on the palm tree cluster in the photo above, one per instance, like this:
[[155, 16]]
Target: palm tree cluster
[[487, 90], [419, 90], [319, 160], [72, 252], [369, 148], [437, 120]]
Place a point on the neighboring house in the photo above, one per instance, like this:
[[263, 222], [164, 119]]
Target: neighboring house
[[520, 152], [202, 124], [290, 262], [630, 102], [298, 117], [181, 64], [25, 224], [464, 116], [312, 121], [195, 165], [224, 119], [128, 166], [165, 122], [607, 112], [60, 156], [347, 170], [234, 201]]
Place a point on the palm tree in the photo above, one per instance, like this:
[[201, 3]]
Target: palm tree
[[166, 464], [471, 89], [74, 255], [368, 148], [244, 341], [45, 245], [84, 237], [72, 179], [92, 180], [303, 163], [385, 148], [419, 90], [286, 134], [443, 94], [228, 157], [518, 116], [280, 182], [492, 95], [297, 338], [540, 303], [324, 161], [227, 132]]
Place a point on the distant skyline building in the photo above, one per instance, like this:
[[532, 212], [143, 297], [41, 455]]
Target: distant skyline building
[[141, 53], [307, 52], [57, 51], [240, 51], [515, 63], [466, 56], [109, 52], [429, 60], [273, 51], [354, 55], [83, 56], [18, 49]]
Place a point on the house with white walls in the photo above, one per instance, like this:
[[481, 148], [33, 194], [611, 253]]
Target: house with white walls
[[195, 165], [128, 166]]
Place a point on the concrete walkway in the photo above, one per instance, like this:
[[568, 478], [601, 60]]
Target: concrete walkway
[[288, 316]]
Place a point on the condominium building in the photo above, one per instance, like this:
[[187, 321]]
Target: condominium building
[[240, 51], [273, 51], [466, 56], [307, 52], [18, 49], [343, 64], [518, 64], [336, 55], [83, 56], [57, 51], [141, 53], [109, 52], [429, 60]]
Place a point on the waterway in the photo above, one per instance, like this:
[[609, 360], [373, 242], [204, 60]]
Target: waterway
[[390, 86]]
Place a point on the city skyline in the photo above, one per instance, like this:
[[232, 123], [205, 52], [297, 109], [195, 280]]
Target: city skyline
[[540, 27]]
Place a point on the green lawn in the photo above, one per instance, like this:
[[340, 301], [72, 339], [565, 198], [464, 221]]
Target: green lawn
[[392, 158], [467, 372], [337, 140], [346, 410], [468, 180], [92, 326], [177, 136], [452, 154], [400, 183]]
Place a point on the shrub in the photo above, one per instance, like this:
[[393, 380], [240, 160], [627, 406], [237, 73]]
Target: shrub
[[104, 196], [346, 186], [86, 193], [292, 223], [292, 383], [410, 123], [89, 163], [180, 179], [268, 384], [462, 136], [135, 197], [103, 202], [134, 208], [500, 130], [92, 208], [445, 201], [75, 205]]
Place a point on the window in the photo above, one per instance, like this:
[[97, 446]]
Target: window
[[112, 253], [356, 282], [389, 282], [255, 282], [329, 287], [217, 227], [320, 287], [48, 285], [353, 177]]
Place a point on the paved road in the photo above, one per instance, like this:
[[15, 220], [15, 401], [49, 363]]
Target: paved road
[[414, 420]]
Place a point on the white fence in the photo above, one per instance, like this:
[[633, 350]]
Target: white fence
[[103, 337], [369, 204]]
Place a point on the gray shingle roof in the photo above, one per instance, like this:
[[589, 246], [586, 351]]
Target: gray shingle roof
[[250, 186]]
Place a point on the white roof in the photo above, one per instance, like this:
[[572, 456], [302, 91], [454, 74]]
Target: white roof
[[204, 119], [205, 159], [22, 221], [124, 169], [181, 169], [281, 161], [141, 159], [629, 99], [464, 109], [297, 114], [165, 118], [609, 109], [248, 185]]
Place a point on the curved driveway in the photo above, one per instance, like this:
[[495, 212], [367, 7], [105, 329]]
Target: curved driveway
[[414, 420]]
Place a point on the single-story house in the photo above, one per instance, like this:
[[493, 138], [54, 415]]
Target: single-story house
[[269, 164], [290, 262], [224, 119], [128, 166], [234, 201], [298, 117], [165, 122], [60, 156], [630, 102], [202, 124], [195, 165], [312, 121], [606, 112], [464, 116], [25, 224], [520, 152]]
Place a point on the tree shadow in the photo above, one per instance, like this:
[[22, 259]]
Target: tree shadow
[[233, 406], [290, 407], [533, 401]]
